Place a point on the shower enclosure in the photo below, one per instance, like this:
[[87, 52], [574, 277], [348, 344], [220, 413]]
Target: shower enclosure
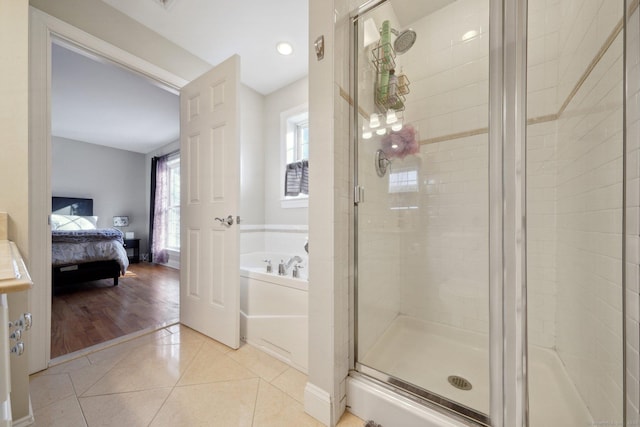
[[440, 179]]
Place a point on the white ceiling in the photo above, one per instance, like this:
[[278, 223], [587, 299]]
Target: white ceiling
[[217, 29], [101, 103]]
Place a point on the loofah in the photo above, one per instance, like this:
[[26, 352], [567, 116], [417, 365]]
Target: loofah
[[401, 143]]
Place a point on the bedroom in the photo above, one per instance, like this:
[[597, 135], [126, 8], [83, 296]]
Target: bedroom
[[111, 165]]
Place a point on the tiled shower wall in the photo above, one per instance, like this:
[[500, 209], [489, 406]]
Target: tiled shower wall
[[444, 239], [541, 234], [583, 320], [542, 102], [589, 239], [448, 67]]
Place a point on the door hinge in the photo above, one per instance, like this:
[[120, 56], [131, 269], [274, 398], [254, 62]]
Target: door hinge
[[358, 195]]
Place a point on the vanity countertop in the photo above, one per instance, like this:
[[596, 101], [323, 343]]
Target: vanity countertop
[[14, 276]]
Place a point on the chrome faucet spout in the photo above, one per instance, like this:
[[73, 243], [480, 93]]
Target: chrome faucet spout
[[293, 259]]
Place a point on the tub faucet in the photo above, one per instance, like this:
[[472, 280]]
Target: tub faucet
[[296, 271], [268, 261], [284, 266], [293, 259]]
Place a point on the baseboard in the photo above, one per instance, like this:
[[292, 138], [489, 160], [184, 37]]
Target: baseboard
[[27, 420], [317, 403]]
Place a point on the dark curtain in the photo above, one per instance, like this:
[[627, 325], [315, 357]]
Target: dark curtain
[[154, 167], [159, 206]]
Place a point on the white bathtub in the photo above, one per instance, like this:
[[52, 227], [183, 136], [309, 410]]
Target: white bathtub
[[274, 309]]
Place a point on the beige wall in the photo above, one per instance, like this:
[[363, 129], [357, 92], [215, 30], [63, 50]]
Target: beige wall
[[14, 119], [106, 23], [632, 254], [14, 28]]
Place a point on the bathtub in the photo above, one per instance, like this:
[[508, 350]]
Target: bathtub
[[274, 309]]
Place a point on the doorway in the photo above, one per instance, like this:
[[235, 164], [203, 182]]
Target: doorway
[[102, 110], [220, 102], [44, 29]]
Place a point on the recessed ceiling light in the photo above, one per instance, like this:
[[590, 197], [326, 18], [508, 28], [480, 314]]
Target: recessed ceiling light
[[284, 48], [166, 4]]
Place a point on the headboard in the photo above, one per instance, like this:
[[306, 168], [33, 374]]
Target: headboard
[[71, 206]]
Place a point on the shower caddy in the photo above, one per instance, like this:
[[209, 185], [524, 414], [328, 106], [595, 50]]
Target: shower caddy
[[389, 91]]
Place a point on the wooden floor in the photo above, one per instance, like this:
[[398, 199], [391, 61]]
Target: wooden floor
[[94, 312]]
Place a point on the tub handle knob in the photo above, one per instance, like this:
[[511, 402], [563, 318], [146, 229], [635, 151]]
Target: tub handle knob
[[268, 261], [295, 273]]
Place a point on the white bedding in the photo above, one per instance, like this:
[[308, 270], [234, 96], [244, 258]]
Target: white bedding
[[77, 253]]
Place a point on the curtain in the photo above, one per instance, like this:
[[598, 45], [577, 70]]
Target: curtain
[[159, 206]]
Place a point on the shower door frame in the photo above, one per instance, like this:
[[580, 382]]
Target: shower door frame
[[507, 232]]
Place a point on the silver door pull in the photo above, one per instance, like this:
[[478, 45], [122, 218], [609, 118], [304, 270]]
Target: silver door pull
[[228, 221]]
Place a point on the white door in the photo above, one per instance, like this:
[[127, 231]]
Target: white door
[[210, 189]]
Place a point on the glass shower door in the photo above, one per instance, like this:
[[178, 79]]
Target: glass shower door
[[422, 292]]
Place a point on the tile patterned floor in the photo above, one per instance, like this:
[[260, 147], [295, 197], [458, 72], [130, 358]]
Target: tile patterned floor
[[173, 377]]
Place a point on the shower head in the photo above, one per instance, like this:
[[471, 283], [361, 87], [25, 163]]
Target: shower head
[[404, 40]]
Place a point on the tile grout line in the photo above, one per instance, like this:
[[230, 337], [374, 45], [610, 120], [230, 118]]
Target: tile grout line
[[255, 403], [161, 406], [84, 417]]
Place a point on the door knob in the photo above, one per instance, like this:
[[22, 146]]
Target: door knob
[[228, 221]]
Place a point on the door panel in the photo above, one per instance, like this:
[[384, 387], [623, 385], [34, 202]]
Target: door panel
[[210, 141]]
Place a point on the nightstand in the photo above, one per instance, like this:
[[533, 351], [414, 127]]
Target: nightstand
[[134, 245]]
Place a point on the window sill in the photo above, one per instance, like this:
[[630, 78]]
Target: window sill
[[302, 202]]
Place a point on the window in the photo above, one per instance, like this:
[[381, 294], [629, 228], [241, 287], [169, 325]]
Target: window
[[298, 144], [403, 181], [173, 208], [294, 129], [404, 185]]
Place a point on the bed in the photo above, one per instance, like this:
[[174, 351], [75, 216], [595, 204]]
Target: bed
[[81, 252]]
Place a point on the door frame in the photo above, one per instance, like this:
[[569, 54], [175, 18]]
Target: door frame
[[43, 30]]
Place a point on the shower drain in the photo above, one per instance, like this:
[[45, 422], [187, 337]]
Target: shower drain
[[459, 382]]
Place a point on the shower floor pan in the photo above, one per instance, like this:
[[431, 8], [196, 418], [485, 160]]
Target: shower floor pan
[[427, 354]]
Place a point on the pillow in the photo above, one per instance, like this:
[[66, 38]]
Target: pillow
[[73, 222]]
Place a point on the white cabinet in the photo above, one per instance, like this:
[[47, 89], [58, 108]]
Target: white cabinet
[[13, 278], [5, 383]]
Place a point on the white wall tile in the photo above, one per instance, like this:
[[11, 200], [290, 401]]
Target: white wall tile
[[589, 224]]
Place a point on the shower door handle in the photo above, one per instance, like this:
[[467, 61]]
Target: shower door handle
[[228, 221]]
